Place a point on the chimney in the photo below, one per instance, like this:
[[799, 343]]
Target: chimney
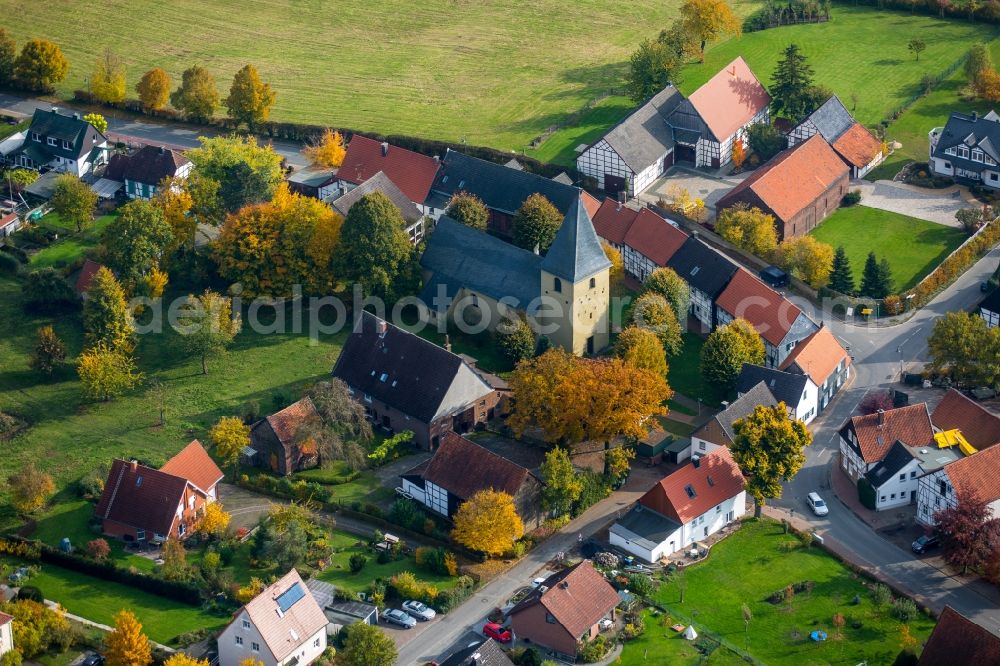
[[381, 327], [619, 206], [76, 116], [537, 250], [55, 109], [447, 342], [975, 116], [696, 461], [881, 418], [437, 159], [135, 465], [385, 149], [163, 150]]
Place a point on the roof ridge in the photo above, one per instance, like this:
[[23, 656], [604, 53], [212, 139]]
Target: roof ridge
[[114, 493]]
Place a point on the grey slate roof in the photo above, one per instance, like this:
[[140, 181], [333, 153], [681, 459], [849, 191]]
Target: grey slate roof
[[487, 653], [324, 593], [687, 124], [576, 252], [744, 406], [313, 176], [970, 130], [81, 135], [897, 458], [702, 267], [786, 387], [459, 256], [651, 527], [379, 183], [501, 188], [832, 119], [645, 137]]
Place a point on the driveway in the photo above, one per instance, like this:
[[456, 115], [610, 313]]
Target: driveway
[[937, 206], [707, 187]]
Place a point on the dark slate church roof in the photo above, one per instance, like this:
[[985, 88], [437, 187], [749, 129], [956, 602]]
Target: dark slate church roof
[[645, 137], [832, 119], [786, 387], [576, 252], [702, 267], [972, 131]]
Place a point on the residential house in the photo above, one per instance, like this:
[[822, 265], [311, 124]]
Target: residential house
[[780, 323], [314, 181], [9, 223], [407, 383], [145, 170], [645, 240], [413, 217], [958, 640], [61, 142], [796, 390], [637, 151], [86, 277], [565, 609], [461, 468], [6, 633], [140, 503], [488, 653], [483, 280], [989, 309], [10, 145], [412, 172], [501, 188], [707, 273], [280, 443], [684, 507], [865, 440], [967, 149], [340, 613], [979, 426], [894, 478], [718, 431], [975, 477], [800, 187], [860, 150], [281, 626], [824, 360]]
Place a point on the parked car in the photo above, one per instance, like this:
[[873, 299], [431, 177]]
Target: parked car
[[924, 543], [817, 504], [496, 632], [92, 659], [419, 610], [774, 276], [538, 581], [398, 617]]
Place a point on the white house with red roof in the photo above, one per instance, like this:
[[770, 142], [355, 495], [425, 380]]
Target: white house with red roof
[[866, 440], [646, 240], [690, 504], [411, 172], [975, 477], [6, 633], [9, 223], [824, 360]]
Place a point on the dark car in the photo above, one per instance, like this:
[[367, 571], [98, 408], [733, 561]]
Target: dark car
[[774, 276], [925, 543], [92, 660]]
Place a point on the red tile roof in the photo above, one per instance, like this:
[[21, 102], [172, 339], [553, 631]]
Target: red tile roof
[[412, 172], [977, 475], [980, 426], [793, 179], [817, 356], [590, 203], [7, 219], [730, 99], [86, 276], [577, 597], [194, 464], [287, 422], [747, 297], [613, 220], [4, 618], [958, 640], [910, 425], [654, 237], [141, 496], [857, 145], [714, 480], [463, 468], [286, 631]]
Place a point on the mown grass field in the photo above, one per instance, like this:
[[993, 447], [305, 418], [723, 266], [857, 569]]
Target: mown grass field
[[746, 568], [913, 247]]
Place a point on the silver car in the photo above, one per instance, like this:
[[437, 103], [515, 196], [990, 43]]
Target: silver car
[[396, 616], [419, 610]]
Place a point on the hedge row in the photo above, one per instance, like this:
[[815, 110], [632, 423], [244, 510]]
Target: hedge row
[[300, 132], [957, 263]]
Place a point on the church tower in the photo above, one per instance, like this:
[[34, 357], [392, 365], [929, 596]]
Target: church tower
[[575, 275]]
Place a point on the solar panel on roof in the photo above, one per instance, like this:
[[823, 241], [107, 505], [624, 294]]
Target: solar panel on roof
[[288, 598]]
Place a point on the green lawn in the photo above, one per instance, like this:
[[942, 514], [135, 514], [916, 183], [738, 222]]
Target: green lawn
[[70, 519], [6, 130], [590, 125], [99, 600], [747, 568], [339, 573], [71, 244], [660, 644], [860, 51], [913, 247], [684, 374]]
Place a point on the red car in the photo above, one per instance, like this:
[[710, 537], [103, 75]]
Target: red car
[[496, 632]]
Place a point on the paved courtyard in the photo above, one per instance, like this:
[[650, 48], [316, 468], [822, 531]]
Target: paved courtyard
[[700, 184], [937, 206]]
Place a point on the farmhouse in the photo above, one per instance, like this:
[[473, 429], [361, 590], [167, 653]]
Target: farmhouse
[[958, 640], [707, 273], [461, 468], [975, 477], [978, 426], [690, 504], [413, 217], [797, 391], [140, 503], [143, 171], [483, 280], [866, 440], [565, 609], [63, 143], [967, 149], [281, 625], [780, 323], [279, 443], [412, 172], [646, 240], [824, 360], [800, 187], [718, 431], [860, 150], [409, 384]]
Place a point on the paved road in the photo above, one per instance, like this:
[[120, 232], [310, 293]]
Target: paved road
[[177, 135]]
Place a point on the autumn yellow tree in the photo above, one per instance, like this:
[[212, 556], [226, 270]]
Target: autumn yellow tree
[[174, 201], [617, 272], [739, 154], [229, 436], [708, 20], [126, 645], [107, 81], [247, 592], [728, 348], [250, 661], [208, 325], [769, 447], [30, 488], [106, 372], [488, 522], [154, 89], [328, 151], [215, 521], [640, 348], [181, 659], [807, 259], [749, 228], [250, 99]]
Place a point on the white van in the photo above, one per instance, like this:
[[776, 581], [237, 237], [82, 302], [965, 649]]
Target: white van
[[817, 504]]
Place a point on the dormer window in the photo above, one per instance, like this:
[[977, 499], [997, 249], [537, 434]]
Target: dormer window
[[53, 142], [977, 155], [689, 489], [963, 151], [557, 285], [35, 136], [65, 144]]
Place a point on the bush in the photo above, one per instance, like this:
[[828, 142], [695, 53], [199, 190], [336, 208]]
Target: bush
[[357, 562], [31, 593], [98, 549], [594, 650], [595, 488], [8, 264], [641, 584], [881, 595], [903, 609], [852, 198], [406, 513], [45, 290], [91, 484], [449, 599], [405, 586]]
